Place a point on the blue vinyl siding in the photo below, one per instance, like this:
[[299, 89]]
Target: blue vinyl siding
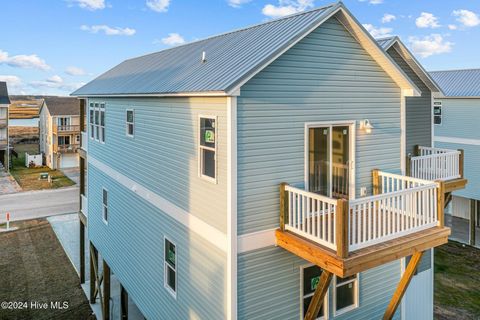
[[163, 154], [269, 287], [460, 120], [133, 246], [325, 77], [418, 109]]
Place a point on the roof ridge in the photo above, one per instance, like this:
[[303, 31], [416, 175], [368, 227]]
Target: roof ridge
[[452, 70], [240, 29]]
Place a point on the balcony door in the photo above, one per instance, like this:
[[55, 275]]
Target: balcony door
[[329, 159]]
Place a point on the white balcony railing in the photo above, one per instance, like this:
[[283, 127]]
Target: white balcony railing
[[403, 205], [436, 164], [84, 141], [84, 205]]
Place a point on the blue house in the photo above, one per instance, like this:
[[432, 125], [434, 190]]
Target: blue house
[[457, 115], [272, 172]]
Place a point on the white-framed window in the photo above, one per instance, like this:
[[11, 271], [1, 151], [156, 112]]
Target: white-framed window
[[130, 123], [170, 267], [345, 294], [309, 278], [437, 112], [97, 122], [208, 148], [105, 205]]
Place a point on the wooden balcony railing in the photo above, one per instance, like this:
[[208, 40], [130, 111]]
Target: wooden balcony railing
[[65, 148], [436, 164], [400, 206], [68, 128]]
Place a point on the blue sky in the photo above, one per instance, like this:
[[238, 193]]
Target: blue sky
[[54, 48]]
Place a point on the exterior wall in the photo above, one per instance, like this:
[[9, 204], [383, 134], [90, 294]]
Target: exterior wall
[[269, 287], [325, 77], [460, 207], [46, 136], [4, 135], [132, 244], [418, 109], [460, 122], [162, 158]]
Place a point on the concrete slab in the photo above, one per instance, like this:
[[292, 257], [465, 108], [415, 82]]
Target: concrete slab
[[8, 184], [72, 173]]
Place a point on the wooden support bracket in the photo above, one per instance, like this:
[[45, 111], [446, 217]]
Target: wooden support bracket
[[97, 282], [319, 295], [402, 286]]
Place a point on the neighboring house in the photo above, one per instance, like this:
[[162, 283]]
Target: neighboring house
[[4, 142], [236, 176], [457, 119], [60, 131]]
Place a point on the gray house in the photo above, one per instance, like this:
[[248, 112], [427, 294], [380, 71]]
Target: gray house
[[262, 174], [4, 143]]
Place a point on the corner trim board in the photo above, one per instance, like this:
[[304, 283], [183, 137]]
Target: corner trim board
[[191, 222], [256, 240]]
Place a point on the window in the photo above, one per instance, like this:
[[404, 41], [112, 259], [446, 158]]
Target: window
[[105, 205], [310, 277], [346, 294], [97, 121], [170, 268], [130, 123], [207, 154], [437, 112], [77, 139], [63, 140]]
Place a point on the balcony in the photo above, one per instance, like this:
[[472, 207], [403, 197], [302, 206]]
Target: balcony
[[438, 164], [66, 129], [3, 123], [404, 216], [65, 148]]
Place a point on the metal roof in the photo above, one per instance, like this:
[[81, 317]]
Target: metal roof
[[458, 83], [4, 99], [230, 58], [385, 43]]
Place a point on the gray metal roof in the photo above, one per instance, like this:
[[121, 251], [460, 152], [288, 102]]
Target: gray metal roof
[[231, 58], [385, 43], [4, 99], [458, 83]]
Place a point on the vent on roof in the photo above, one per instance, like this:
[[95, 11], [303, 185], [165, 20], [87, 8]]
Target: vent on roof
[[204, 57]]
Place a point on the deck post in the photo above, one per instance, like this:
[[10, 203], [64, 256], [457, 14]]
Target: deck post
[[441, 203], [106, 291], [82, 252], [283, 206], [376, 181], [460, 162], [416, 150], [319, 295], [93, 273], [472, 221], [402, 286], [341, 227], [123, 303], [408, 165]]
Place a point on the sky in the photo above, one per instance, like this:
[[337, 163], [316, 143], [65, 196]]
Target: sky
[[56, 46]]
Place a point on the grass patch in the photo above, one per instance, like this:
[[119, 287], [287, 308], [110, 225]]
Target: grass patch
[[457, 281], [28, 178]]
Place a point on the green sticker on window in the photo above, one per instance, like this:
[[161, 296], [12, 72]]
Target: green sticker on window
[[209, 136], [314, 283]]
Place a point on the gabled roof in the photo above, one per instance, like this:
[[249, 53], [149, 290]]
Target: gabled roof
[[62, 106], [397, 44], [458, 83], [4, 99], [231, 59]]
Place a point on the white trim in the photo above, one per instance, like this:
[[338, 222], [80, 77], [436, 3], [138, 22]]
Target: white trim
[[179, 94], [256, 240], [356, 299], [191, 222], [352, 127], [200, 147], [473, 142], [105, 207], [127, 123], [166, 265], [458, 97], [231, 207], [326, 299]]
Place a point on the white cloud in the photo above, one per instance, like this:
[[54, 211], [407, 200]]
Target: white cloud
[[467, 18], [109, 31], [158, 5], [237, 3], [90, 4], [427, 20], [430, 45], [387, 17], [173, 39], [452, 27], [24, 61], [75, 71], [286, 7], [56, 82], [373, 1], [12, 81], [378, 32], [55, 79]]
